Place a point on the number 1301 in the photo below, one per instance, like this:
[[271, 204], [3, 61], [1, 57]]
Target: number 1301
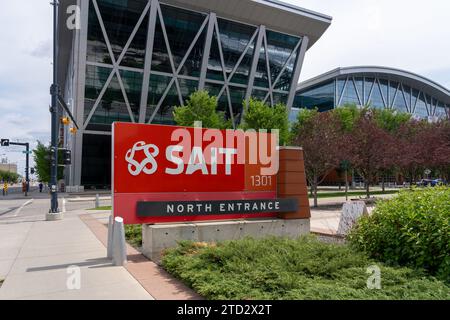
[[261, 181]]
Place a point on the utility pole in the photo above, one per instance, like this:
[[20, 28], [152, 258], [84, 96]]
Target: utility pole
[[57, 101], [27, 169], [54, 91]]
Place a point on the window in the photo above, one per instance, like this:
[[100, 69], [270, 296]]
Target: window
[[157, 86], [368, 86], [119, 18], [321, 96], [280, 48], [349, 95], [182, 27], [400, 103], [376, 100], [440, 111], [293, 115], [419, 103], [393, 86], [234, 38]]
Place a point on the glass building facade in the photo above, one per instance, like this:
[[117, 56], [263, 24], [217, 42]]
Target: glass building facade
[[144, 58], [117, 36], [376, 90]]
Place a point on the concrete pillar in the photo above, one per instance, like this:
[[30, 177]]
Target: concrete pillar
[[97, 201], [119, 251], [110, 237]]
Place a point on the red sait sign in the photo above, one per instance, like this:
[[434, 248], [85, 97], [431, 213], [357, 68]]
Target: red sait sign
[[191, 166]]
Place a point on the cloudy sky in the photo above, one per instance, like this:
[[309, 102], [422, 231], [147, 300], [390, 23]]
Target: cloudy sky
[[407, 34]]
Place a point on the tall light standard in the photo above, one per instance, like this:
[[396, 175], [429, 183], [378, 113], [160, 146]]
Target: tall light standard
[[54, 213], [57, 100]]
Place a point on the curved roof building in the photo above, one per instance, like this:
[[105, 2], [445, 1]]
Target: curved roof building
[[380, 87]]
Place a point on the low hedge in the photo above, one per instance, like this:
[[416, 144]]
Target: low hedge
[[283, 269], [411, 229]]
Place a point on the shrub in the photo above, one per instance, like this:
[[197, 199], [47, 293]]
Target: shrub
[[10, 177], [277, 268], [201, 107], [411, 229], [133, 234], [260, 115]]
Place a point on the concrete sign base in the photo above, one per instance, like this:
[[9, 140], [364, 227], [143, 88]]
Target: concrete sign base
[[54, 216], [157, 238]]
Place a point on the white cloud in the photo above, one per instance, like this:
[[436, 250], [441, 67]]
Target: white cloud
[[42, 50], [408, 34], [25, 73]]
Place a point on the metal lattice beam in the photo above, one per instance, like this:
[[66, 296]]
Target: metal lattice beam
[[175, 72], [255, 61], [148, 60], [115, 70]]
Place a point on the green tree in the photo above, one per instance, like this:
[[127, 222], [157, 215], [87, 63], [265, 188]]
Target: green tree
[[260, 115], [201, 107], [348, 115], [303, 117], [10, 177], [41, 157], [390, 120]]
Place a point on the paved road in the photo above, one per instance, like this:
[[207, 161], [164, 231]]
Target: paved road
[[17, 208]]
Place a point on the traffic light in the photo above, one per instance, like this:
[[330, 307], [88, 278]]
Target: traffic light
[[65, 121], [67, 157], [33, 171], [73, 130], [4, 142]]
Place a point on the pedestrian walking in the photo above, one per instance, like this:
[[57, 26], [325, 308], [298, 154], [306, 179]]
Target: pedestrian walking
[[5, 188], [41, 187]]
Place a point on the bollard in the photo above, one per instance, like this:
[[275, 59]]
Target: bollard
[[97, 201], [119, 245], [109, 252]]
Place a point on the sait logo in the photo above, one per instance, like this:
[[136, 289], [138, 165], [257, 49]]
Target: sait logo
[[148, 165]]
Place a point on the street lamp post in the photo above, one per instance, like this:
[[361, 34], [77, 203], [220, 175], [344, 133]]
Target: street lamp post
[[54, 213], [54, 91]]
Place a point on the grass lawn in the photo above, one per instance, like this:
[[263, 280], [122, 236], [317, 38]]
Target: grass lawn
[[101, 208], [352, 193], [276, 268]]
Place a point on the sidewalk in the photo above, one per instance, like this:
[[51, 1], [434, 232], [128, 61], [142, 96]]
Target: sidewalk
[[339, 201], [325, 218], [36, 256]]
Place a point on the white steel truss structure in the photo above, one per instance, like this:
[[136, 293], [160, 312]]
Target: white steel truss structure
[[255, 55], [258, 43], [393, 94]]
